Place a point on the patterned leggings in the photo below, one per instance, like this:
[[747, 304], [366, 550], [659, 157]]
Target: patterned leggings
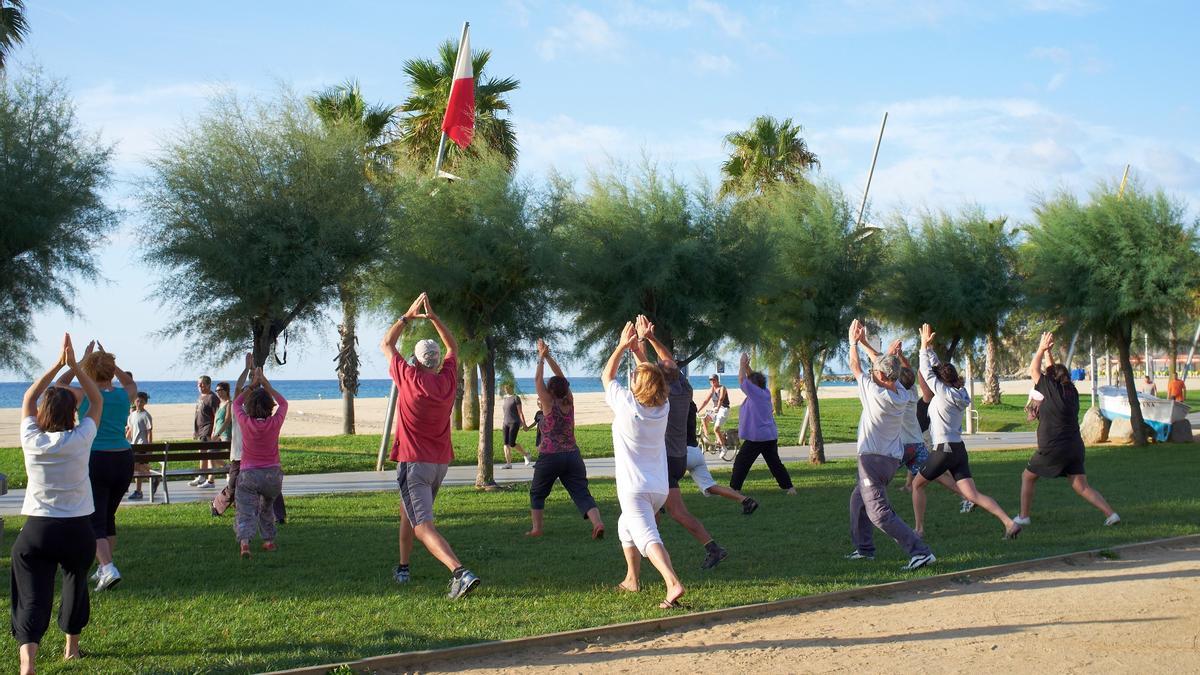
[[257, 490]]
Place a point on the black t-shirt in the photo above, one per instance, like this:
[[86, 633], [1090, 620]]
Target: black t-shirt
[[1058, 417], [923, 414], [691, 426]]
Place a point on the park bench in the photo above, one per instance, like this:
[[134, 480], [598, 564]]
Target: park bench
[[179, 452]]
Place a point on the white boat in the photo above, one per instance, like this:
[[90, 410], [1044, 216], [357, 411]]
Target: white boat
[[1159, 413]]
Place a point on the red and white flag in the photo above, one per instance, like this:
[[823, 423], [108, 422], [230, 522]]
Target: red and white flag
[[459, 123]]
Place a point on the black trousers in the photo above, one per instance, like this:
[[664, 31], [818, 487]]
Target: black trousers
[[567, 467], [44, 545], [225, 498], [110, 474], [749, 452]]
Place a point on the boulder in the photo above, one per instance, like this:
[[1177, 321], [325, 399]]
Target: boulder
[[1120, 432], [1094, 427], [1181, 432]]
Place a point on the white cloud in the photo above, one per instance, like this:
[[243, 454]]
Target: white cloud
[[731, 23], [712, 63], [1176, 170], [583, 31], [1060, 6], [630, 13]]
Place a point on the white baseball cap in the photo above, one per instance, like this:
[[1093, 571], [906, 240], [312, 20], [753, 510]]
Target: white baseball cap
[[428, 353]]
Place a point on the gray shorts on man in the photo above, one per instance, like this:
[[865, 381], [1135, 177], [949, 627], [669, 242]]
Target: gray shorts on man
[[419, 483]]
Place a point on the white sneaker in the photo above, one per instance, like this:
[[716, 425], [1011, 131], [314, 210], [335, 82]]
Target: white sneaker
[[95, 575], [208, 484], [195, 482], [527, 461], [1024, 522], [919, 561], [506, 466], [107, 581], [1112, 520]]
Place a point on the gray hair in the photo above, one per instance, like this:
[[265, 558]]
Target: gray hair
[[888, 367]]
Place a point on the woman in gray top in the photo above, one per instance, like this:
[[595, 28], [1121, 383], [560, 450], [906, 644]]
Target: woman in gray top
[[514, 421]]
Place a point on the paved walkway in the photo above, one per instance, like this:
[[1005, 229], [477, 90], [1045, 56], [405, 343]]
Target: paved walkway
[[374, 481]]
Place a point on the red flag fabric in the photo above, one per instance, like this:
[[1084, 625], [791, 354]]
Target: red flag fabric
[[459, 123]]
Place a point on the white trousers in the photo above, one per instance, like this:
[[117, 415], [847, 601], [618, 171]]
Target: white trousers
[[637, 527]]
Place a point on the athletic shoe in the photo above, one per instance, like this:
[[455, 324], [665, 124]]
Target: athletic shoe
[[208, 484], [966, 506], [135, 496], [195, 482], [402, 576], [858, 555], [461, 586], [714, 557], [245, 550], [749, 506], [108, 580], [1022, 521], [526, 461], [506, 466], [919, 561], [269, 546], [1112, 520], [95, 575]]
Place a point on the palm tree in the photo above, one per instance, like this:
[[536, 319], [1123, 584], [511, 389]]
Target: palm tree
[[344, 104], [429, 84], [768, 152], [13, 27]]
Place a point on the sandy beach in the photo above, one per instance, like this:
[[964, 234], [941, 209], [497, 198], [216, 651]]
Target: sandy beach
[[324, 417]]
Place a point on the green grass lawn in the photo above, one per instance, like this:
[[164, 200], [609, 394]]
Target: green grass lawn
[[189, 605]]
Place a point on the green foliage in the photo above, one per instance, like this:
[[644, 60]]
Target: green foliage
[[956, 272], [429, 83], [767, 153], [256, 213], [13, 27], [52, 216], [641, 244]]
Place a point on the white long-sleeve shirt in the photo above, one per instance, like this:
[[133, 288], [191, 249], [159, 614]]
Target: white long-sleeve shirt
[[948, 404]]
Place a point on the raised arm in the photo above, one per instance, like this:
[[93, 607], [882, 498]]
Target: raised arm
[[625, 342], [128, 384], [743, 369], [29, 402], [393, 333], [95, 401], [442, 331], [1035, 365], [855, 336], [645, 331], [246, 370], [539, 384], [279, 399]]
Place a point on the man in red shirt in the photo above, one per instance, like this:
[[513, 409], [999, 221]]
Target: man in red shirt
[[422, 448]]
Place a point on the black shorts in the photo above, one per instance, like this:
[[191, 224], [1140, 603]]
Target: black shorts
[[110, 472], [510, 433], [676, 468], [945, 457], [1057, 462]]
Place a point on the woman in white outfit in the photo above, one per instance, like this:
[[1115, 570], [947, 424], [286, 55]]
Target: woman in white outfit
[[639, 448]]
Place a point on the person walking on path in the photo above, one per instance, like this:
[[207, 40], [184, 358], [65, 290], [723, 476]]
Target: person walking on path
[[718, 402], [639, 449], [1176, 389], [884, 403], [110, 468], [207, 404], [558, 453], [228, 494], [139, 429], [422, 448], [58, 507], [949, 454], [679, 400], [514, 421], [757, 430], [260, 478], [697, 466], [1060, 445]]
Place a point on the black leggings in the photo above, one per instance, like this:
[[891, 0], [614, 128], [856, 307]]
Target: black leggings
[[770, 453], [567, 467], [44, 545], [111, 472]]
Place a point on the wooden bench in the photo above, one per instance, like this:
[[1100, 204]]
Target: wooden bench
[[178, 452]]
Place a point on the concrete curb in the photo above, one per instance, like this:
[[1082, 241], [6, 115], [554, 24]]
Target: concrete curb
[[414, 661]]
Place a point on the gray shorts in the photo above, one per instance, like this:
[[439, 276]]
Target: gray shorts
[[419, 483]]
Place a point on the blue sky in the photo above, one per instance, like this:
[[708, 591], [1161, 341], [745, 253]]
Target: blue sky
[[989, 102]]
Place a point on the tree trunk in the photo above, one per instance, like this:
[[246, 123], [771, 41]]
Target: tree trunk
[[485, 477], [773, 386], [347, 368], [1173, 346], [470, 403], [456, 417], [816, 440], [991, 375], [1136, 420]]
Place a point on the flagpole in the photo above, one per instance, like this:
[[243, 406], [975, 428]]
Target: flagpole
[[863, 207], [441, 151]]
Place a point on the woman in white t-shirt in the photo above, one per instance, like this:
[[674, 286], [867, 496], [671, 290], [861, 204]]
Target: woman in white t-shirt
[[640, 451], [58, 505]]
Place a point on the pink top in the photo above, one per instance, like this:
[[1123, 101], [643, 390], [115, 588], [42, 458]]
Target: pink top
[[260, 437]]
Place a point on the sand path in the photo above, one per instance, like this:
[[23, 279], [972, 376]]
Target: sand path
[[1139, 614]]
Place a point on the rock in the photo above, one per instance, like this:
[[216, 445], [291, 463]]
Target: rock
[[1094, 427], [1181, 432], [1120, 432]]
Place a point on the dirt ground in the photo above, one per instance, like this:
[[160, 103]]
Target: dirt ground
[[1140, 613]]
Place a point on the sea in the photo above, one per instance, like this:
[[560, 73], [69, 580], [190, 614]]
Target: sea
[[184, 391]]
